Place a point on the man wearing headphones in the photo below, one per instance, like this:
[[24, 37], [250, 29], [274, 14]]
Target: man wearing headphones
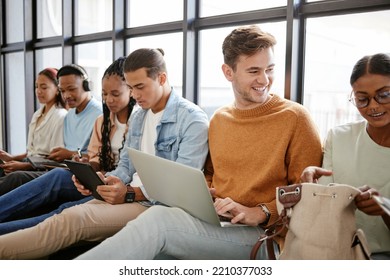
[[78, 126]]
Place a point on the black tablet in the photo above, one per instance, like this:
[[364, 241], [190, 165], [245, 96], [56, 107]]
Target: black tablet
[[86, 175]]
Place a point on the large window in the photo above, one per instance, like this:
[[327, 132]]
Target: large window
[[333, 45]]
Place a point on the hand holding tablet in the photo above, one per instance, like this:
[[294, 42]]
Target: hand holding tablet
[[86, 176]]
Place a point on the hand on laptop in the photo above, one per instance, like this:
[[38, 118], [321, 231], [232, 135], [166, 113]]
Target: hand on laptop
[[251, 216]]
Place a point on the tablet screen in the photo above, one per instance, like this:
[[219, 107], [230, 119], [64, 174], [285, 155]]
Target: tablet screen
[[86, 175]]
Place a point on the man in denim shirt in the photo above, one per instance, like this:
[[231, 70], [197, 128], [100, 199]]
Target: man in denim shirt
[[168, 126]]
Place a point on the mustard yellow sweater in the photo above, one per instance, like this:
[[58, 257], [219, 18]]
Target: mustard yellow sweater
[[254, 151]]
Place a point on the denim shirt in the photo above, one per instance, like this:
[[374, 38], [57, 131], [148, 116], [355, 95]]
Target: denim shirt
[[182, 136]]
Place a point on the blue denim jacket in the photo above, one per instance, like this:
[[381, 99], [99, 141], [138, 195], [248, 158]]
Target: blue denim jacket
[[182, 136]]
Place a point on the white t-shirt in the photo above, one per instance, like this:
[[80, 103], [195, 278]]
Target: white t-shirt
[[149, 137], [149, 133]]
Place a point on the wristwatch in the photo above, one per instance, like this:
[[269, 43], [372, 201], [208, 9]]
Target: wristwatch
[[267, 214], [130, 194]]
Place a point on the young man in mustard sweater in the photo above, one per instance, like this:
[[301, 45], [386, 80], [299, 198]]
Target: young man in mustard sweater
[[258, 143]]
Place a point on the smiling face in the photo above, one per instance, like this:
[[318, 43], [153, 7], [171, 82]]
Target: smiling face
[[252, 78], [369, 85], [45, 90], [71, 87]]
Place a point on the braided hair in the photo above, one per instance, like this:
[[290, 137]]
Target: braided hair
[[106, 157]]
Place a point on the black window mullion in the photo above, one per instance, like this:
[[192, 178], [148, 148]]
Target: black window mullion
[[118, 17], [190, 51], [29, 71]]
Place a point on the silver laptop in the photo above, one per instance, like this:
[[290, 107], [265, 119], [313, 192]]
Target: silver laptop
[[176, 185]]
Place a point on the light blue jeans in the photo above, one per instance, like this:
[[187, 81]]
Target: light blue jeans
[[173, 232]]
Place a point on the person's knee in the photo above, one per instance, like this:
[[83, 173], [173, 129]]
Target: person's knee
[[16, 177], [161, 216], [12, 181], [72, 215], [60, 174]]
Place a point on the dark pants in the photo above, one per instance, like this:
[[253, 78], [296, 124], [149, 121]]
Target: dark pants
[[16, 179]]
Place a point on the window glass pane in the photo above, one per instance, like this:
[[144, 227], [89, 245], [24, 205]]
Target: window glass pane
[[220, 7], [14, 21], [49, 15], [215, 90], [98, 17], [15, 102], [333, 45], [95, 58], [51, 57], [147, 12], [172, 44]]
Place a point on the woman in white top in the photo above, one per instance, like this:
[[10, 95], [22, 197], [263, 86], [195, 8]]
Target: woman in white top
[[46, 126], [358, 153]]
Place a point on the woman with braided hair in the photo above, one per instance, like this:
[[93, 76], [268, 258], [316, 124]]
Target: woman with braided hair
[[106, 141], [56, 186]]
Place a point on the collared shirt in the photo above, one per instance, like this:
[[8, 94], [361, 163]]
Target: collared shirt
[[48, 134]]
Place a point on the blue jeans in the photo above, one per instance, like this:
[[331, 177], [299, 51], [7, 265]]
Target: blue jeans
[[54, 186]]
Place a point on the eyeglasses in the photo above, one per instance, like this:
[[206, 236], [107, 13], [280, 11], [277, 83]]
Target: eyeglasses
[[363, 101]]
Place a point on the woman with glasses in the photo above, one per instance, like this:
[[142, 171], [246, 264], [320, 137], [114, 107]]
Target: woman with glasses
[[358, 153]]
